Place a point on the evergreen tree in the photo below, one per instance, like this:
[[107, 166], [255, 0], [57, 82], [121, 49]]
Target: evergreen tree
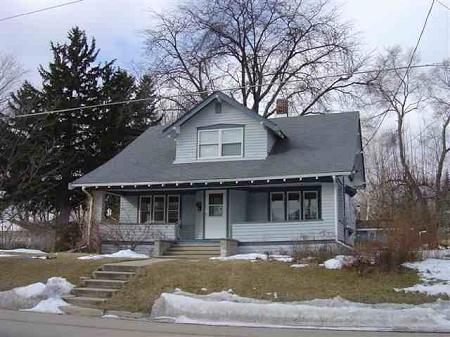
[[54, 149]]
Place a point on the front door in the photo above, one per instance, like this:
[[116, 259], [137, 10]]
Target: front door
[[216, 215]]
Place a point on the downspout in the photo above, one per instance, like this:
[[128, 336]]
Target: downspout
[[89, 219], [336, 217]]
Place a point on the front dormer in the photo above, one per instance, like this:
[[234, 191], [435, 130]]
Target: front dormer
[[221, 129]]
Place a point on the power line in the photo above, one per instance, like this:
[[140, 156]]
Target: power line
[[411, 59], [207, 92], [40, 10], [443, 4]]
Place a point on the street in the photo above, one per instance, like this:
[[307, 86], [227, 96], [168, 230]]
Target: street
[[22, 324]]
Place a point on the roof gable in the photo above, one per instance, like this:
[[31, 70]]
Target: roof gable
[[221, 97]]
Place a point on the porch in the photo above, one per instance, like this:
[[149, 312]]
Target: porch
[[257, 218]]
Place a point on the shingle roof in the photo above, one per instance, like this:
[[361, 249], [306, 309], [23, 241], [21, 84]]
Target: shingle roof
[[315, 144]]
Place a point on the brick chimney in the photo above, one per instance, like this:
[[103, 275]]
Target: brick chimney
[[282, 106]]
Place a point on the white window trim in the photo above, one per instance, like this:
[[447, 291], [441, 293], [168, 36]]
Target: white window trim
[[164, 210], [303, 203], [140, 209], [284, 206], [299, 205], [167, 207], [220, 143]]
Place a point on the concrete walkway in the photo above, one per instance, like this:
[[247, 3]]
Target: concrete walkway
[[139, 263]]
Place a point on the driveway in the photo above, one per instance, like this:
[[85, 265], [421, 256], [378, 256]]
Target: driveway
[[22, 324]]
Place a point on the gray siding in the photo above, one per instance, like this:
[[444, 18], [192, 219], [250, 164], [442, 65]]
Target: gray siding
[[288, 248], [129, 208], [340, 211], [350, 218], [324, 229], [187, 229], [255, 134]]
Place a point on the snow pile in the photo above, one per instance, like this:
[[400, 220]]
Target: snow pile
[[49, 306], [229, 309], [121, 254], [38, 296], [22, 251], [339, 262], [32, 290], [299, 265], [7, 255], [254, 257], [435, 275]]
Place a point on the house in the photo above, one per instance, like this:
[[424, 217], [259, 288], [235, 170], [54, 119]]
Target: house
[[225, 177]]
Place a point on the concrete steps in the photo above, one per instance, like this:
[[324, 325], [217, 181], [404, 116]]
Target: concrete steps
[[108, 280], [185, 250], [112, 275], [87, 302]]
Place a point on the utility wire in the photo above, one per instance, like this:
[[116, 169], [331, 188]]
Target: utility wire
[[40, 10], [443, 4], [206, 92], [409, 66]]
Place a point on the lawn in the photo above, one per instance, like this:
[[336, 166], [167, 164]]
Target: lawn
[[21, 271], [261, 280]]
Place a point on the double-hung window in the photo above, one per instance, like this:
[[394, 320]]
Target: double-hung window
[[310, 205], [277, 206], [146, 209], [220, 143], [159, 208], [293, 206], [173, 208]]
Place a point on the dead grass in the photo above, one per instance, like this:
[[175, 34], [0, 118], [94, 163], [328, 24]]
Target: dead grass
[[260, 280], [21, 271]]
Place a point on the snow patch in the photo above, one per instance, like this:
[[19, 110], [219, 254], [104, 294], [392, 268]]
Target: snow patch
[[229, 309], [339, 262], [254, 257], [110, 316], [121, 254], [434, 274], [23, 251]]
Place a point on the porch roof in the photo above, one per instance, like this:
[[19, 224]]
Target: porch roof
[[316, 145]]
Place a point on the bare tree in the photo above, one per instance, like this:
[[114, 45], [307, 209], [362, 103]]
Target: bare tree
[[441, 103], [399, 93], [265, 49], [10, 73]]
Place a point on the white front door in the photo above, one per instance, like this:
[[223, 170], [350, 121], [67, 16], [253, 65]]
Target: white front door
[[215, 215]]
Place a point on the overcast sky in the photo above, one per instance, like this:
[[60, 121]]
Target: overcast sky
[[117, 26]]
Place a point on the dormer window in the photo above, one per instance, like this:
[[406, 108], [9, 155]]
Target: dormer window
[[220, 143]]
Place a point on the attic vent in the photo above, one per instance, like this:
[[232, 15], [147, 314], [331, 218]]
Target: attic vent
[[282, 106], [218, 107]]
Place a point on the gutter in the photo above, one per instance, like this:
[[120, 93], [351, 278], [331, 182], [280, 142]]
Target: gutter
[[206, 181], [335, 182], [90, 208]]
